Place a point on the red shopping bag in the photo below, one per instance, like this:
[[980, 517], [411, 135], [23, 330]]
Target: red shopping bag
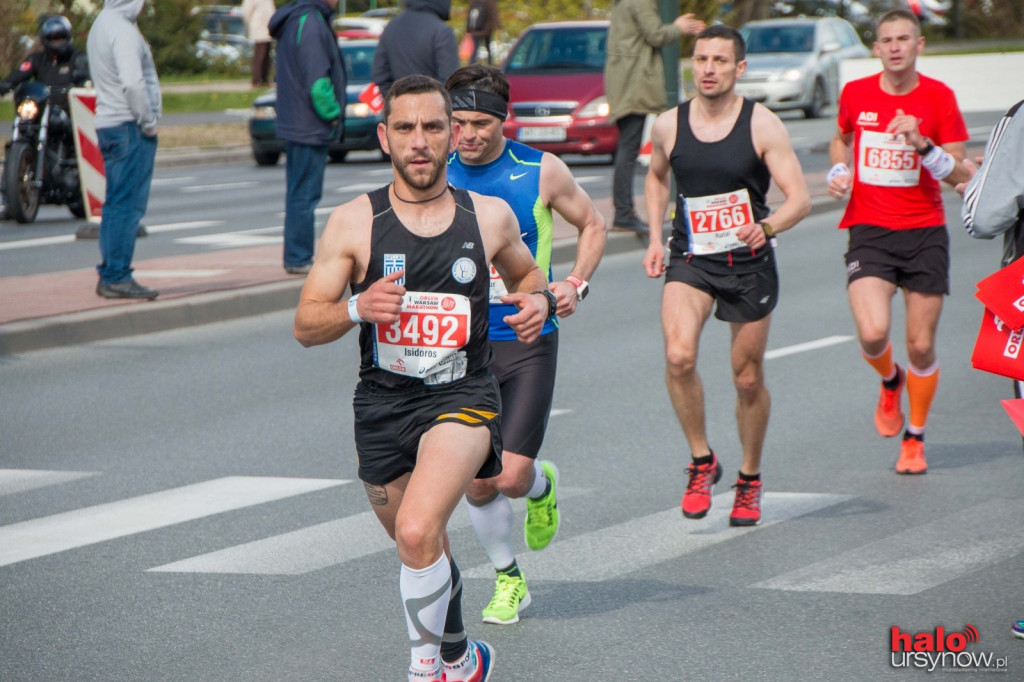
[[999, 348], [372, 98], [1002, 292]]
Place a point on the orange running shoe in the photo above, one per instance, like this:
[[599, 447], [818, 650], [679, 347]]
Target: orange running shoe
[[911, 459], [888, 415]]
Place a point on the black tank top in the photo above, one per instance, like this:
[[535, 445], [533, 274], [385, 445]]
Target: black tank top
[[709, 168], [452, 262]]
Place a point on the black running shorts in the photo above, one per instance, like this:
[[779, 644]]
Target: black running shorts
[[526, 374], [389, 424], [744, 297], [916, 260]]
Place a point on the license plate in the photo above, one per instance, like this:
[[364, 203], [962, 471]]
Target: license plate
[[542, 134]]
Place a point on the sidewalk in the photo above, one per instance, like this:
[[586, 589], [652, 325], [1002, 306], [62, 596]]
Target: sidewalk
[[61, 308]]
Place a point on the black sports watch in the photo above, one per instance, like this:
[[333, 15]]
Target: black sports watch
[[552, 301]]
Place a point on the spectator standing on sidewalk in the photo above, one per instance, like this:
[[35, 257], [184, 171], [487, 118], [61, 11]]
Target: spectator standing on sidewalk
[[310, 116], [257, 14], [634, 82], [481, 21], [128, 107], [416, 42]]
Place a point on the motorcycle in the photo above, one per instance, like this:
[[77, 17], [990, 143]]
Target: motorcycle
[[40, 165]]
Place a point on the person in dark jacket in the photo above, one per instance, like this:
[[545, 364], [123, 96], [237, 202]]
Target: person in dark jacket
[[310, 115], [417, 41]]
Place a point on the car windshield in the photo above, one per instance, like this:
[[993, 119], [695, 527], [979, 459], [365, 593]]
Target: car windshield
[[358, 60], [764, 39], [577, 50], [223, 23]]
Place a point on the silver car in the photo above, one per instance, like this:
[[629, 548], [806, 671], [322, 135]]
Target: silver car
[[794, 63]]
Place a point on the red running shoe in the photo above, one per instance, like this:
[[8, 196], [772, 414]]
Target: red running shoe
[[697, 498], [746, 510], [911, 459]]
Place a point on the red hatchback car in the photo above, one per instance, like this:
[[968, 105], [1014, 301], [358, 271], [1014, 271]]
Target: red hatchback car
[[556, 77]]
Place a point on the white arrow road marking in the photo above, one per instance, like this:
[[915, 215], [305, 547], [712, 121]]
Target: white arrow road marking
[[20, 480], [918, 558], [81, 527], [312, 548], [627, 547]]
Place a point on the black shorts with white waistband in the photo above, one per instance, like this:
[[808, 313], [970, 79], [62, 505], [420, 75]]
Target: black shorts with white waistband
[[743, 297], [526, 374], [915, 260], [389, 424]]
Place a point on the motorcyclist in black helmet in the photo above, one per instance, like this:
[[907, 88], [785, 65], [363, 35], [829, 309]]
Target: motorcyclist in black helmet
[[58, 65]]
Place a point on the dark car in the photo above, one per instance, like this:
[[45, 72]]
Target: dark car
[[556, 77], [360, 121]]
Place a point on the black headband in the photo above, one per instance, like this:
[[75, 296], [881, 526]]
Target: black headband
[[468, 99]]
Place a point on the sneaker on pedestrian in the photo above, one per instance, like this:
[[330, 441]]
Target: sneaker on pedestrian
[[633, 224], [888, 414], [436, 675], [1018, 629], [911, 459], [476, 666], [542, 517], [129, 288], [697, 498], [298, 269], [511, 596], [746, 509]]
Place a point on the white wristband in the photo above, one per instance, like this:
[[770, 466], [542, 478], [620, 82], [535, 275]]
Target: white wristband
[[837, 170], [353, 314], [939, 162]]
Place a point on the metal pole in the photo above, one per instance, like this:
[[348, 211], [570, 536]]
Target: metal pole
[[669, 10]]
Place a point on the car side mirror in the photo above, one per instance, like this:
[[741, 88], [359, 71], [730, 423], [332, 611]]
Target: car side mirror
[[830, 47]]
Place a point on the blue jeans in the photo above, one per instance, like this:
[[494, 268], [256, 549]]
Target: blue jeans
[[304, 169], [128, 165]]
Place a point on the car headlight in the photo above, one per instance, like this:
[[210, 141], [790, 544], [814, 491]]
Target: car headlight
[[358, 110], [595, 108], [28, 110], [264, 112], [792, 74]]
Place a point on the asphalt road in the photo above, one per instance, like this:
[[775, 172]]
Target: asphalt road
[[183, 506]]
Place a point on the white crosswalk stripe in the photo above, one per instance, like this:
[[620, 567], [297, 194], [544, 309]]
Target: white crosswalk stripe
[[626, 547], [20, 480], [917, 558], [81, 527]]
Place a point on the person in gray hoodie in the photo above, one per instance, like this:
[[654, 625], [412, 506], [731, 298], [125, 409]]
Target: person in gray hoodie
[[416, 42], [128, 109]]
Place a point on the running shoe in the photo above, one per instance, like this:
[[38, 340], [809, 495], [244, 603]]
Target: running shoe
[[888, 415], [697, 498], [911, 459], [481, 662], [746, 509], [1018, 629], [542, 515], [510, 597], [421, 676]]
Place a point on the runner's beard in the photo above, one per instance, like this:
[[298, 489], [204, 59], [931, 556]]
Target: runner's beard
[[419, 183]]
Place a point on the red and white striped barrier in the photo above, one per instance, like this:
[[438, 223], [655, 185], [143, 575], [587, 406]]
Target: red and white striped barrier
[[82, 103], [645, 145]]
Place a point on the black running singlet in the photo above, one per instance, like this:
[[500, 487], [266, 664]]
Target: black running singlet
[[718, 169], [442, 334]]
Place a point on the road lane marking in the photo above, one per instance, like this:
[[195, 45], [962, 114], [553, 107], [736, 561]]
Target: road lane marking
[[918, 558], [624, 548], [804, 347], [158, 274], [172, 181], [37, 241], [357, 187], [218, 187], [191, 225], [90, 525], [312, 548], [20, 480]]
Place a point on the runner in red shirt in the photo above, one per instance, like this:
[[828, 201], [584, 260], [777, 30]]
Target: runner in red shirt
[[900, 134]]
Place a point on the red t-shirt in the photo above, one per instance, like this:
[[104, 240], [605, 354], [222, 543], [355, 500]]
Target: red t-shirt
[[890, 187]]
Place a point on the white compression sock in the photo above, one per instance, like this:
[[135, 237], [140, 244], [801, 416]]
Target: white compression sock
[[493, 525], [425, 594], [540, 482]]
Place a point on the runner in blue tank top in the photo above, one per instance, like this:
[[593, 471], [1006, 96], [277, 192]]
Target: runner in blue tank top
[[533, 183]]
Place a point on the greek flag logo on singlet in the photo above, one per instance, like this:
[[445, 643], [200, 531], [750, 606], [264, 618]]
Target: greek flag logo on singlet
[[393, 262]]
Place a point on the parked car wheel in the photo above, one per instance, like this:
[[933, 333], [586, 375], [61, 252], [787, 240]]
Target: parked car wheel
[[817, 106], [265, 158]]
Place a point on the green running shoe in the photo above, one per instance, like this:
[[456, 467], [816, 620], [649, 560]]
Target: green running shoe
[[542, 515], [510, 597]]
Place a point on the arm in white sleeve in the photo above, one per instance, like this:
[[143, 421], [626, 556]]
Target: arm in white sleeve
[[994, 198]]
